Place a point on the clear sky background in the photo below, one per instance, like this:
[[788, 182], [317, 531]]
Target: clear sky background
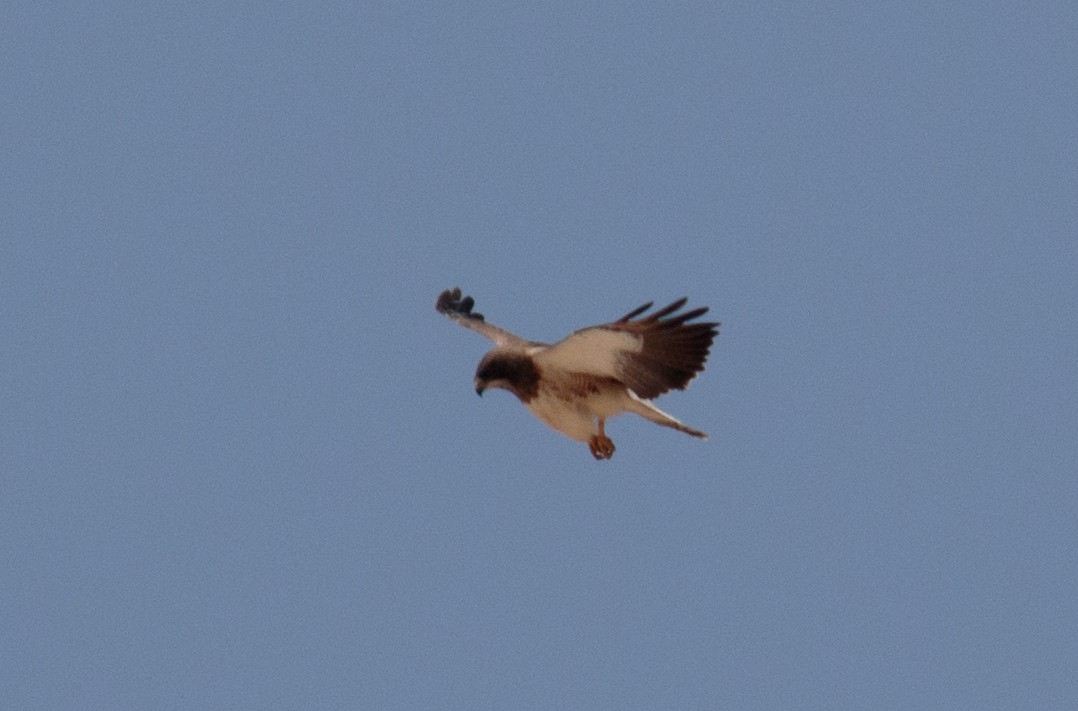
[[241, 461]]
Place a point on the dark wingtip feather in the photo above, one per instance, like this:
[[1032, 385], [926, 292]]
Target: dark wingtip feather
[[635, 312], [666, 311], [450, 302], [673, 350]]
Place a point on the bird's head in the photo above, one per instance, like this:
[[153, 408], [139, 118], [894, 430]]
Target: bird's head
[[515, 372]]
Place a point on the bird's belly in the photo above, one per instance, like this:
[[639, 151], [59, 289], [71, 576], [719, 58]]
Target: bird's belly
[[576, 417], [564, 416]]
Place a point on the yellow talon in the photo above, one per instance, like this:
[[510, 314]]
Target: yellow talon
[[601, 446]]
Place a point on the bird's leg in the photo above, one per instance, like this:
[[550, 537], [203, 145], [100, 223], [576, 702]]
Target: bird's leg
[[601, 446]]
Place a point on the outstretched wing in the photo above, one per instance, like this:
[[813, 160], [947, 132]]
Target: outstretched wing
[[651, 355], [459, 309]]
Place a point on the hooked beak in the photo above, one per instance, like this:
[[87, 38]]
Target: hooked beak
[[479, 389]]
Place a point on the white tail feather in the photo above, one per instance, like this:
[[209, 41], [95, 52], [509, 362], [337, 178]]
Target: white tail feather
[[645, 409]]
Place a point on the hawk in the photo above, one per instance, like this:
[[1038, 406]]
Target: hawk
[[595, 373]]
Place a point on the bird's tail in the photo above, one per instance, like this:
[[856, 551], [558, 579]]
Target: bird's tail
[[645, 409]]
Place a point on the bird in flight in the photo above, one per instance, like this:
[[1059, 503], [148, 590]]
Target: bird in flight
[[593, 374]]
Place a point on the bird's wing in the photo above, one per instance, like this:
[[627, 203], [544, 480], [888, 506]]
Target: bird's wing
[[650, 355], [459, 309]]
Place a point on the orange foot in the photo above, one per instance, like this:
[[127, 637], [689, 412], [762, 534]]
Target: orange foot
[[601, 446]]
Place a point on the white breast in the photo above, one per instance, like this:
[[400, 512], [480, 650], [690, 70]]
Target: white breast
[[577, 417]]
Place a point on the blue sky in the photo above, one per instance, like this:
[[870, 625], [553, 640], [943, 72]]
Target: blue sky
[[243, 465]]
